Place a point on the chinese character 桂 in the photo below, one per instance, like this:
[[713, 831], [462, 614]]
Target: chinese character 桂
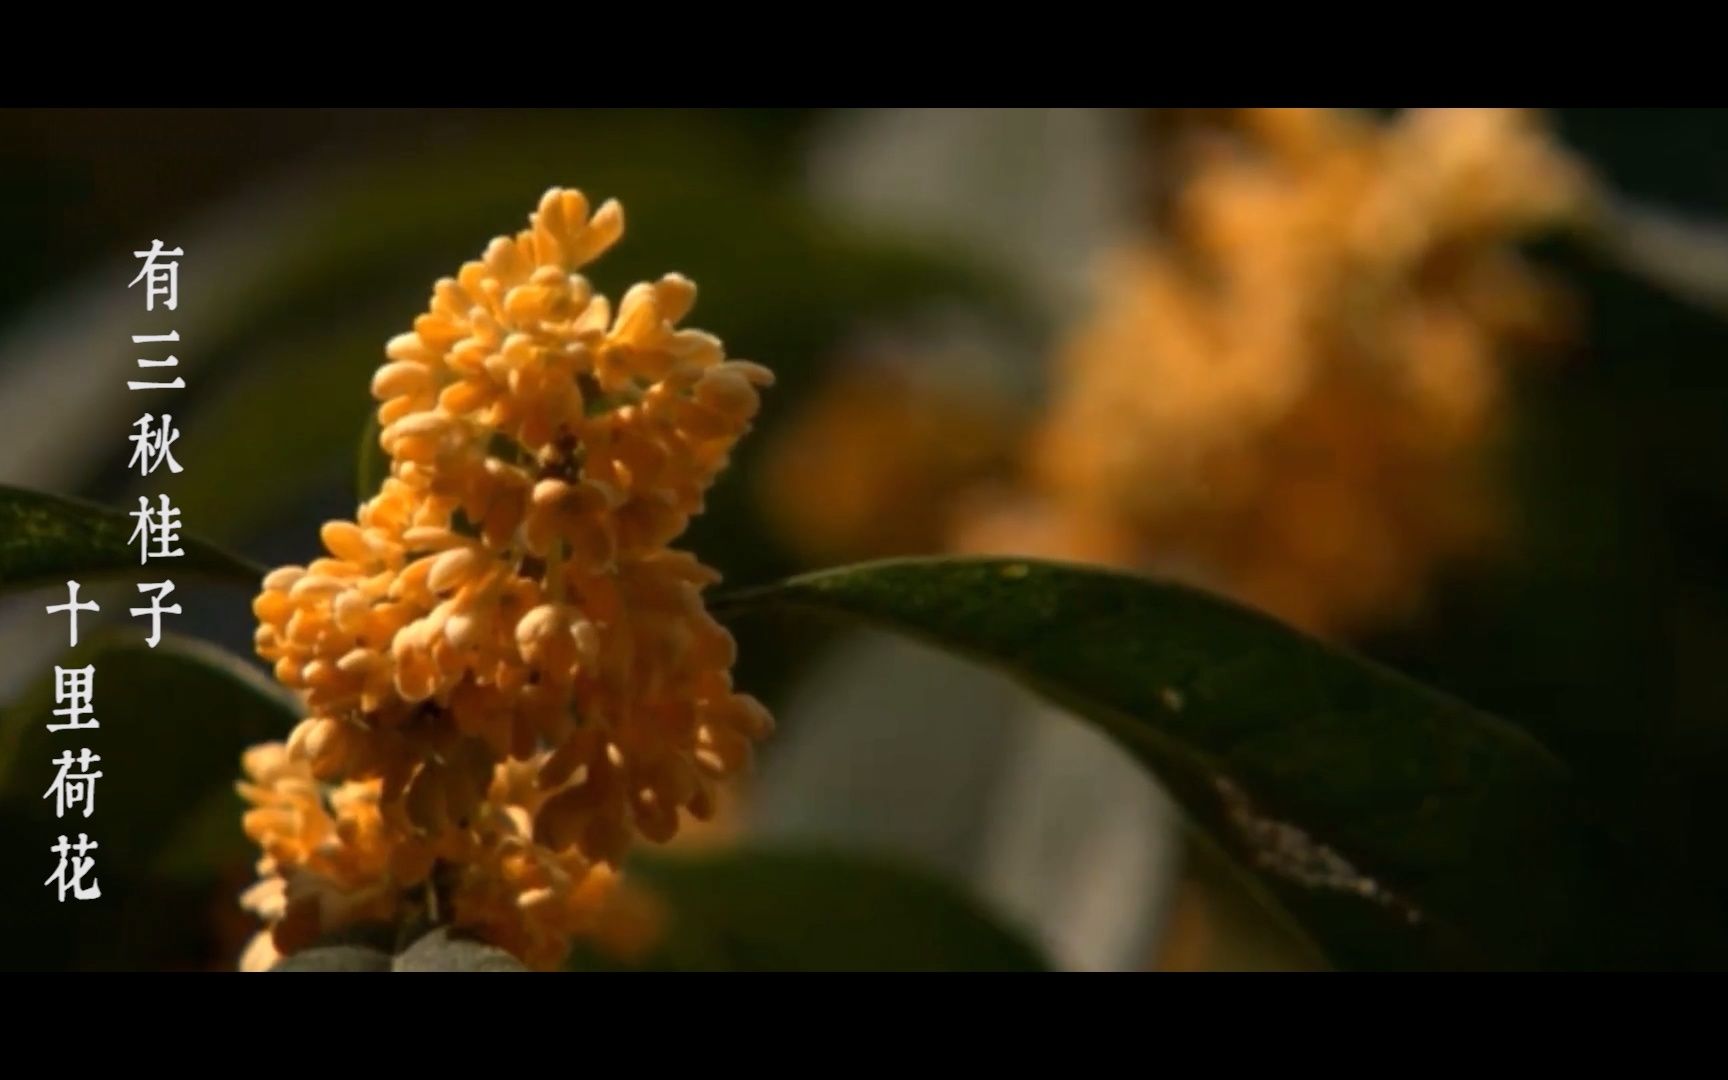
[[69, 875], [154, 445], [73, 789], [156, 610], [73, 690], [160, 278], [72, 607], [160, 527]]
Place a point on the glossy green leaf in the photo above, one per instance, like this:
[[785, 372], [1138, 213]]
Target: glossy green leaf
[[174, 721], [771, 910], [171, 859], [336, 958], [1399, 827], [288, 369], [371, 466], [373, 947], [445, 950], [46, 538]]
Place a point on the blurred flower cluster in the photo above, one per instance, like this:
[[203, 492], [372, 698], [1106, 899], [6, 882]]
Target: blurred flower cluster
[[1286, 393], [869, 466], [510, 673]]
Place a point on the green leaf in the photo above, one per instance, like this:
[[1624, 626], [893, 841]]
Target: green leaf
[[813, 911], [46, 538], [445, 950], [311, 327], [371, 467], [172, 859], [174, 722], [336, 958], [1399, 827], [368, 948]]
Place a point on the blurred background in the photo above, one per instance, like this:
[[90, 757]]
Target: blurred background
[[1446, 387]]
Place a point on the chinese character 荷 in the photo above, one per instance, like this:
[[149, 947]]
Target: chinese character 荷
[[72, 789]]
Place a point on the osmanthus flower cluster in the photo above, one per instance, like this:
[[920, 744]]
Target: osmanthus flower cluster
[[509, 673], [870, 466], [1287, 396]]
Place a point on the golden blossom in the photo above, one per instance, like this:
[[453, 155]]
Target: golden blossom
[[1289, 398], [502, 658]]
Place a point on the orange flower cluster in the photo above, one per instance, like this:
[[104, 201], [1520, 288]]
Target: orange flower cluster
[[1288, 400], [509, 673], [868, 468]]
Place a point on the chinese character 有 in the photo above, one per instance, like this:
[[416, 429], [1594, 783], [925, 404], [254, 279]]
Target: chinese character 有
[[161, 278]]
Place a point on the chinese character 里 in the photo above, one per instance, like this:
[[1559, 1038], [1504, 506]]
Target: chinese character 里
[[73, 690]]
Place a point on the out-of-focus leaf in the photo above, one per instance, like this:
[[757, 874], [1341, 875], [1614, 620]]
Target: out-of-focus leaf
[[173, 723], [1686, 256], [171, 859], [443, 950], [1401, 828], [373, 466], [285, 377], [813, 911], [336, 958], [369, 948], [46, 538]]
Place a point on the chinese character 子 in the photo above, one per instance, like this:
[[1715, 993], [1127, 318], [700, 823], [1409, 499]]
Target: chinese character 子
[[70, 789], [72, 607], [153, 445], [157, 530], [156, 610], [73, 690], [160, 277], [69, 875], [177, 383]]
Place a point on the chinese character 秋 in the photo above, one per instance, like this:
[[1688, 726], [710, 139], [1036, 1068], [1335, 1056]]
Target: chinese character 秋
[[154, 445]]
